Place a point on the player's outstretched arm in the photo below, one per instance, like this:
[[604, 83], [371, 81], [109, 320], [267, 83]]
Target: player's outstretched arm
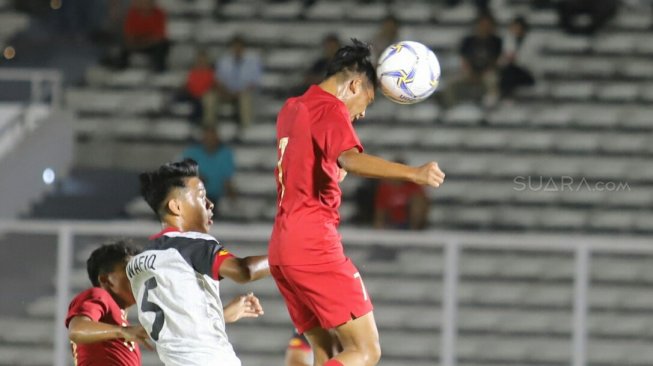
[[371, 166], [246, 306], [83, 329], [246, 269]]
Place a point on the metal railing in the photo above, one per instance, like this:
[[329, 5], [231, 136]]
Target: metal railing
[[452, 243], [38, 78]]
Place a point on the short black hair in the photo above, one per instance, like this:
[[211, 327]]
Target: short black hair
[[105, 258], [156, 185], [353, 58]]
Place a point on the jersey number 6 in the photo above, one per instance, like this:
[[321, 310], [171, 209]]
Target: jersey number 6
[[150, 306]]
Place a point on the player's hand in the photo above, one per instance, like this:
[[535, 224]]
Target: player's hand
[[429, 174], [246, 306], [136, 333]]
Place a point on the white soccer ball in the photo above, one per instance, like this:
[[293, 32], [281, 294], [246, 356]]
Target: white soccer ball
[[408, 72]]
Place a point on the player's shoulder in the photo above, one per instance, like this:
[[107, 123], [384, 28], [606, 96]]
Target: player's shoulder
[[94, 293], [180, 240]]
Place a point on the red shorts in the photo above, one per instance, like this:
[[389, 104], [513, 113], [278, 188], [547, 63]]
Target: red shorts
[[324, 295]]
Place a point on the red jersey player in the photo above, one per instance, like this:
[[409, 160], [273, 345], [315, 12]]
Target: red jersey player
[[97, 317], [317, 144]]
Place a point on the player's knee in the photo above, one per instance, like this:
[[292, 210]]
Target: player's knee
[[372, 353]]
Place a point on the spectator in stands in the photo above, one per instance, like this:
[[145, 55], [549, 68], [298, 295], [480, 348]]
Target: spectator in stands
[[386, 35], [238, 77], [217, 166], [585, 16], [514, 73], [317, 72], [400, 205], [364, 202], [480, 54], [145, 32], [199, 85]]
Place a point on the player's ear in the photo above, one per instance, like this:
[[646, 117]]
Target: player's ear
[[174, 206], [103, 280], [356, 85]]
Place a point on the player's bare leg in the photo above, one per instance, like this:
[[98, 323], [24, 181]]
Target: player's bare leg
[[321, 342], [360, 342]]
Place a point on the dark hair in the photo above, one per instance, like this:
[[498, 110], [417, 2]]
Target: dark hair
[[521, 21], [105, 258], [485, 15], [353, 59], [156, 185]]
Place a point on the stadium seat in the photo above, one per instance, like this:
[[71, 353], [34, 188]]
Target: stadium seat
[[563, 219], [615, 43], [373, 12], [577, 142], [465, 114], [532, 141], [327, 10], [284, 10], [618, 92], [577, 90]]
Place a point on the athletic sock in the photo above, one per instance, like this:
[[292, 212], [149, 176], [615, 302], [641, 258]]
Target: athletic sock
[[333, 362]]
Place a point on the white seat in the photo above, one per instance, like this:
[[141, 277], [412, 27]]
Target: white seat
[[558, 65], [563, 219], [262, 133], [509, 116], [552, 116], [176, 129], [440, 138], [239, 9], [327, 10], [624, 143], [578, 90], [255, 183], [284, 10], [637, 117], [168, 80], [596, 116], [180, 30], [613, 169], [367, 12], [577, 193], [463, 13], [626, 92], [517, 217], [426, 113], [612, 221], [646, 92], [557, 167], [565, 44], [630, 196], [644, 222], [412, 11], [615, 43], [485, 139], [400, 137], [637, 68], [472, 216], [288, 59], [538, 141], [593, 66], [577, 142], [465, 114]]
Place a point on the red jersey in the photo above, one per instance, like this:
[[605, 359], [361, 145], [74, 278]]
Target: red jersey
[[200, 81], [312, 131], [97, 304], [148, 25], [394, 199]]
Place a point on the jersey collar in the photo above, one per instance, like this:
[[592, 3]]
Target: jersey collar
[[168, 229]]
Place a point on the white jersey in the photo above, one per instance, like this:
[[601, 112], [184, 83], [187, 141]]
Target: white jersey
[[178, 299]]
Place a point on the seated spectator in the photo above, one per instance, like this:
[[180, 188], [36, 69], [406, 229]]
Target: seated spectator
[[199, 84], [480, 54], [217, 166], [145, 32], [238, 77], [387, 34], [514, 73], [585, 16], [400, 205], [330, 45]]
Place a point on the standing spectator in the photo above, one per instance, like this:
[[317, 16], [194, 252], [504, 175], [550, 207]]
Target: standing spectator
[[238, 76], [400, 205], [317, 72], [199, 84], [145, 32], [217, 166], [480, 54], [386, 35], [513, 72]]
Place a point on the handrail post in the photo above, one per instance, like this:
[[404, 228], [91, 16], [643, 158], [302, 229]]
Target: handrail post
[[64, 263], [581, 287], [450, 304]]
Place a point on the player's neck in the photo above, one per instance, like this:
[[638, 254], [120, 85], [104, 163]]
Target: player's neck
[[330, 86], [178, 224]]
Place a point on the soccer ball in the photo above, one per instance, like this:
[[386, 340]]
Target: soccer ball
[[408, 72]]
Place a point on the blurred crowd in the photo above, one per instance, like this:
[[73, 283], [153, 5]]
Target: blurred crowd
[[493, 66]]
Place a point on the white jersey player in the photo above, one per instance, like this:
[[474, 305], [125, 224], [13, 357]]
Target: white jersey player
[[175, 279]]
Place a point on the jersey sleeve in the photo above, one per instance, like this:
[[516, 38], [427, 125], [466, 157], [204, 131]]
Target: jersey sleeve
[[90, 303], [335, 134], [205, 256]]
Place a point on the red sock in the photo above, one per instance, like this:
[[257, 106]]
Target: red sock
[[333, 362]]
